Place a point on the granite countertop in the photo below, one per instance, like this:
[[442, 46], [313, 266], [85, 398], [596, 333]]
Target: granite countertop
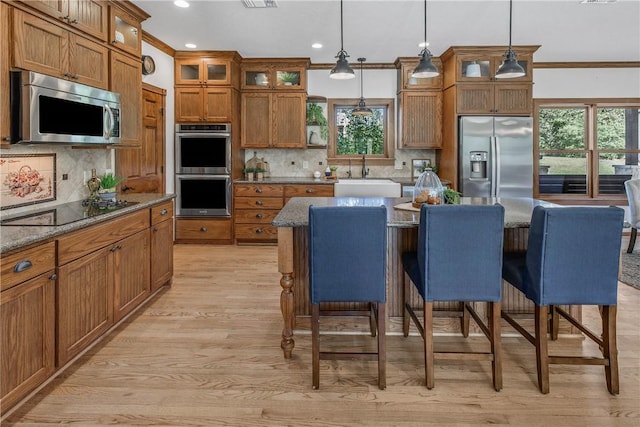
[[16, 237], [296, 212], [311, 180]]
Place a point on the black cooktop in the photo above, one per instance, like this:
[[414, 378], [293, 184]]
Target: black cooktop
[[67, 213]]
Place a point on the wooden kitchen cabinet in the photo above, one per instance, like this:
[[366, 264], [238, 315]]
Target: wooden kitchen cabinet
[[273, 120], [501, 98], [210, 104], [103, 275], [274, 74], [125, 28], [53, 50], [419, 107], [125, 79], [254, 207], [88, 16], [203, 71], [27, 319], [204, 230], [420, 118], [311, 190], [161, 245]]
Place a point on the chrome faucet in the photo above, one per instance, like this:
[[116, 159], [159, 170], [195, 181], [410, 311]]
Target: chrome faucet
[[365, 171]]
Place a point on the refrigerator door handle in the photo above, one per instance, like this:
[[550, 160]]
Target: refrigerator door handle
[[494, 160], [496, 147]]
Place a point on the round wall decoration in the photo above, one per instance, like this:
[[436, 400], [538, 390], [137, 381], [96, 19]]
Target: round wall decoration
[[148, 65]]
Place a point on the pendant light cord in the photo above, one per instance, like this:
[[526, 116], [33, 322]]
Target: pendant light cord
[[510, 19], [341, 29], [425, 24], [361, 75]]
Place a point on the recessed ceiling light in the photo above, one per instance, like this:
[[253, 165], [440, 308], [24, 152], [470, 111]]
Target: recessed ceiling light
[[190, 45], [181, 3], [317, 45], [423, 44]]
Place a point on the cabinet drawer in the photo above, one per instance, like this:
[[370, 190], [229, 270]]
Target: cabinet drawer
[[258, 190], [30, 263], [256, 232], [254, 216], [203, 229], [308, 191], [258, 202], [75, 245], [161, 212]]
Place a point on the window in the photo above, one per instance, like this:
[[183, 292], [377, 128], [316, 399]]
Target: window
[[351, 136], [586, 150]]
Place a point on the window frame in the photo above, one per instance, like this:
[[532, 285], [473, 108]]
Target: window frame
[[385, 159], [591, 150]]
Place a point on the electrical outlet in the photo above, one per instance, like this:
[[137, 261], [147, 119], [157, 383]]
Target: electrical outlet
[[398, 165], [65, 176], [86, 175], [305, 164]]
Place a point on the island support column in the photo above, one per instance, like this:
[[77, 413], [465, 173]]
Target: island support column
[[285, 267]]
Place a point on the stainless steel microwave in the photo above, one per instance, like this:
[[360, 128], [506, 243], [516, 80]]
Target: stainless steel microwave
[[47, 109]]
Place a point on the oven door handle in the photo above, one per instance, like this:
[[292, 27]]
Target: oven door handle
[[203, 134]]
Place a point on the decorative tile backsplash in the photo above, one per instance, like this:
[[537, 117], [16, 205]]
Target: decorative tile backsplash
[[27, 179], [69, 162], [290, 163]]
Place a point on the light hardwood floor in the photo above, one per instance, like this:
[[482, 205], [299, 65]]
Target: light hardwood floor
[[206, 352]]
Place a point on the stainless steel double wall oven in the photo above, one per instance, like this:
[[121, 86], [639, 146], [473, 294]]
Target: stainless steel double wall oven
[[203, 170]]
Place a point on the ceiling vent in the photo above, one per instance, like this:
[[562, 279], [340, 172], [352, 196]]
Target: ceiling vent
[[598, 1], [254, 4]]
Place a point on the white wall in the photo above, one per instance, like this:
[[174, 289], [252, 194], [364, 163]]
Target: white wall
[[586, 83], [163, 78]]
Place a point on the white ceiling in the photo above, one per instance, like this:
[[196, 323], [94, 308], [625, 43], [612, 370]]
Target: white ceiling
[[382, 30]]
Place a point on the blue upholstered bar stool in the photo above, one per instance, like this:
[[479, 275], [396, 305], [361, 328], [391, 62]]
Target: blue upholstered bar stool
[[347, 263], [572, 258], [632, 188], [459, 258]]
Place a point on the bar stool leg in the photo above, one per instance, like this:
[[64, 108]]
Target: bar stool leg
[[428, 344], [542, 354], [315, 344], [610, 350], [405, 311], [496, 343], [382, 346]]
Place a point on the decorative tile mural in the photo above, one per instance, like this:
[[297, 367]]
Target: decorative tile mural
[[27, 179]]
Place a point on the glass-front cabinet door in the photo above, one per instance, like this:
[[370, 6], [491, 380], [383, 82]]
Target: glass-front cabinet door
[[204, 72], [478, 68], [126, 32], [289, 78], [216, 71], [256, 77]]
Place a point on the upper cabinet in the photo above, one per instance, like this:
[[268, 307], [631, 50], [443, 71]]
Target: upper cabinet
[[419, 107], [206, 84], [203, 71], [471, 70], [51, 49], [274, 74], [89, 16], [125, 30]]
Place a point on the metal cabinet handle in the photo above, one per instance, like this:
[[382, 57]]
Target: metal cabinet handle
[[259, 231], [163, 212], [113, 249], [259, 216], [53, 277], [22, 266], [259, 190], [75, 21], [203, 229], [259, 202], [309, 190], [155, 229]]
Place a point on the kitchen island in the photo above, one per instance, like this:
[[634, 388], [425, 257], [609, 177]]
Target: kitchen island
[[292, 222]]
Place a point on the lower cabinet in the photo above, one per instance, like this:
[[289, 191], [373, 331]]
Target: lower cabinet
[[85, 302], [27, 314], [104, 272], [204, 230]]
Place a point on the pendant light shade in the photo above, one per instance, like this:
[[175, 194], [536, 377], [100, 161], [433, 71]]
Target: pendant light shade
[[342, 70], [510, 68], [362, 109], [426, 68]]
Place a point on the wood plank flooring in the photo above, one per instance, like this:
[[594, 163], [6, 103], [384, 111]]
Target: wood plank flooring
[[206, 352]]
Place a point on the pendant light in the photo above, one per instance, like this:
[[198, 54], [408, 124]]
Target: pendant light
[[362, 109], [342, 70], [510, 68], [426, 68]]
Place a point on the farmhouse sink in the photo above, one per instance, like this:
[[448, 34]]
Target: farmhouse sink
[[367, 188]]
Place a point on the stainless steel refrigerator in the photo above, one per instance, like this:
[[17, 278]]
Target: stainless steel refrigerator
[[495, 156]]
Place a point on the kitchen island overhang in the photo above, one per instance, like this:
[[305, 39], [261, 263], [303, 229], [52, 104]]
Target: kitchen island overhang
[[402, 227]]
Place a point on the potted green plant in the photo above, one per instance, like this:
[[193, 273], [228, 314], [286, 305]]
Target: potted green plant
[[451, 197], [289, 78], [248, 173], [333, 170], [108, 184], [259, 174], [316, 117]]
